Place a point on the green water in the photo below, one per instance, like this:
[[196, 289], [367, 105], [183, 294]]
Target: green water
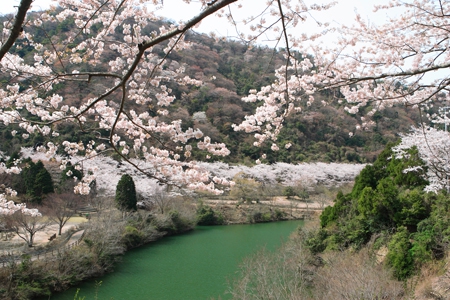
[[194, 266]]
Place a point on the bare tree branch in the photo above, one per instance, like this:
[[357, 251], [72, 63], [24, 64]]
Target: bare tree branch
[[17, 27]]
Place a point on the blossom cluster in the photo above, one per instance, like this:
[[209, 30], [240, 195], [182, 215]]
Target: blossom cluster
[[107, 172], [433, 146], [128, 99], [329, 174], [8, 207]]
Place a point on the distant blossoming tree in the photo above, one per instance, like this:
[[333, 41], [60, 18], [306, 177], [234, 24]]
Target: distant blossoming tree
[[434, 149], [8, 207]]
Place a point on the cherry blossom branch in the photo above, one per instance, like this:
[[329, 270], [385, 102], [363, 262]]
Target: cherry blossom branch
[[142, 47]]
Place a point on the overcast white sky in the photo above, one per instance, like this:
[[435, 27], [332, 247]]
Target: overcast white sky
[[176, 10]]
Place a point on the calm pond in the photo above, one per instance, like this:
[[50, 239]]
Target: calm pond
[[196, 265]]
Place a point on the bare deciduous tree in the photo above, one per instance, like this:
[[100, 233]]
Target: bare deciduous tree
[[162, 200], [246, 188], [25, 226], [60, 208]]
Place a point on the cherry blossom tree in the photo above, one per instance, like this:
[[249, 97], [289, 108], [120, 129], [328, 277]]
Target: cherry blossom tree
[[135, 79], [109, 172], [434, 149], [402, 62], [134, 75], [8, 207]]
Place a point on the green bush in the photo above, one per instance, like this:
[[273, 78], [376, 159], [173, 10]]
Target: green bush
[[260, 217], [254, 217], [289, 192], [315, 241], [279, 214], [332, 213], [173, 222], [27, 281], [180, 222], [207, 216], [399, 256], [132, 237]]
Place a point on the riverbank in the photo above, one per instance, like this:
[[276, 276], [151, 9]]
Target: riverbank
[[191, 266], [109, 234], [279, 208], [41, 238]]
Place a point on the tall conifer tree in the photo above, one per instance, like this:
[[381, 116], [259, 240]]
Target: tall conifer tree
[[126, 194]]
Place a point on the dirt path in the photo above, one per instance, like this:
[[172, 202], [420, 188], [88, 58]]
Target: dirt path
[[41, 239]]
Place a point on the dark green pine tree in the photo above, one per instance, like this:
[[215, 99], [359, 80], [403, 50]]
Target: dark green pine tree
[[29, 174], [44, 182], [126, 194], [38, 181]]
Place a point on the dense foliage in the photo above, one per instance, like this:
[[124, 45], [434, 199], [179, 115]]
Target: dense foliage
[[207, 216], [389, 207], [36, 180]]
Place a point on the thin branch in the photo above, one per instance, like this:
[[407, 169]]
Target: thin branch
[[164, 37], [286, 39], [394, 75], [17, 27]]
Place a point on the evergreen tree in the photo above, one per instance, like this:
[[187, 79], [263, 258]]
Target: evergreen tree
[[15, 156], [126, 194], [43, 182], [399, 256], [37, 180], [384, 199]]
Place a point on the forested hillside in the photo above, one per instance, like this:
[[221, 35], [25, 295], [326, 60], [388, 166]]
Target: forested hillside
[[389, 207], [322, 131]]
